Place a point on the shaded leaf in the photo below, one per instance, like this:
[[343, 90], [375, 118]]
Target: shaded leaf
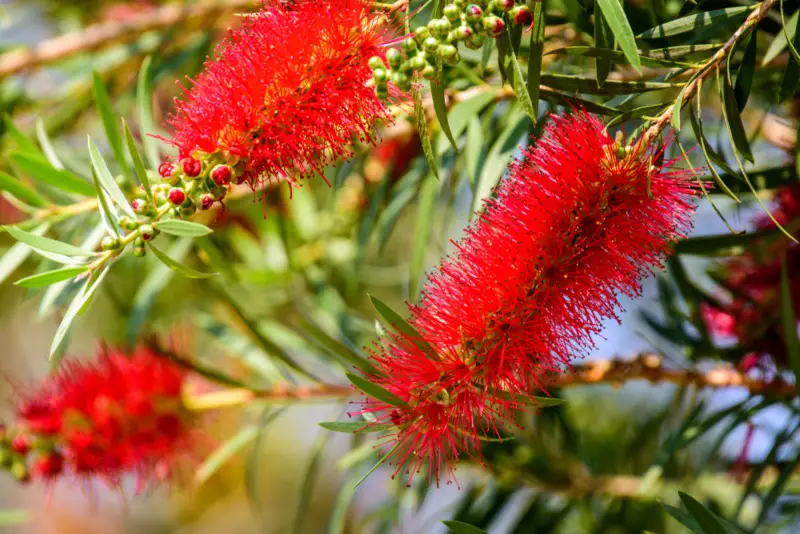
[[535, 52], [458, 527], [51, 277], [440, 107], [734, 121], [138, 164], [375, 391], [40, 169], [618, 22], [422, 230], [14, 187], [354, 427], [78, 304], [183, 228], [393, 320], [176, 266], [789, 323], [103, 103], [422, 129], [696, 22], [580, 84], [107, 181]]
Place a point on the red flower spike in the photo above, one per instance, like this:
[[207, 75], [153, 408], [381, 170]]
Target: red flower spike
[[121, 415], [576, 222], [287, 92]]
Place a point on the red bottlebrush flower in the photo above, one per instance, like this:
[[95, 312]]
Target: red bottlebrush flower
[[753, 313], [576, 222], [287, 93], [121, 415]]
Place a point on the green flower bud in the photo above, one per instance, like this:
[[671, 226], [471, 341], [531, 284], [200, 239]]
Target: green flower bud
[[410, 45], [380, 75], [441, 27], [475, 42], [430, 44], [494, 25], [446, 51], [375, 62], [188, 211], [421, 33], [147, 232], [394, 57], [5, 457], [139, 252], [474, 13], [504, 5], [452, 12], [399, 78], [20, 471], [417, 62], [110, 243], [429, 72], [128, 224]]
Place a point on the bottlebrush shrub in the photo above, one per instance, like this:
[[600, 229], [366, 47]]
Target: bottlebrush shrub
[[752, 313], [121, 415], [576, 222], [287, 93]]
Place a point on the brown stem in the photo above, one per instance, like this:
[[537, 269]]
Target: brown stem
[[107, 33], [706, 70], [613, 371]]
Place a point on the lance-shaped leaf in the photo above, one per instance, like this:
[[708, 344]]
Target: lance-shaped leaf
[[21, 191], [40, 169], [47, 147], [144, 103], [354, 427], [422, 230], [183, 228], [107, 180], [789, 323], [459, 527], [78, 304], [400, 325], [51, 277], [422, 130], [376, 392], [439, 105], [138, 164], [46, 245], [734, 120], [517, 79], [618, 22], [22, 141], [176, 266], [590, 86], [696, 22], [535, 52], [103, 103]]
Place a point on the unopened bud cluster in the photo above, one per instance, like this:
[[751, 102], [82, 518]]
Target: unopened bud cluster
[[26, 457], [181, 188], [470, 23]]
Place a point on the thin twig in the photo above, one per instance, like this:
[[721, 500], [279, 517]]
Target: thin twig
[[706, 70], [613, 371], [107, 33]]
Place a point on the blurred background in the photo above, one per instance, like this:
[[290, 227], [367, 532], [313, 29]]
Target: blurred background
[[599, 463]]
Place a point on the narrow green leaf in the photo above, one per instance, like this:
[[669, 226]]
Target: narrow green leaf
[[459, 527], [461, 113], [603, 38], [440, 107], [497, 159], [744, 78], [561, 99], [708, 522], [176, 266], [789, 322], [696, 22], [51, 277], [711, 156], [17, 254], [422, 230], [397, 323], [617, 56], [782, 39], [792, 74], [183, 228], [103, 103], [40, 169], [680, 51], [589, 86], [336, 347], [793, 43], [676, 111], [422, 129], [108, 214], [78, 304], [354, 427], [145, 105], [47, 147], [635, 113], [14, 187], [535, 52], [683, 518], [138, 164], [618, 21], [539, 402], [734, 121], [309, 479], [24, 144], [227, 450], [518, 80], [473, 151], [46, 244], [375, 391], [338, 517], [107, 180], [377, 465]]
